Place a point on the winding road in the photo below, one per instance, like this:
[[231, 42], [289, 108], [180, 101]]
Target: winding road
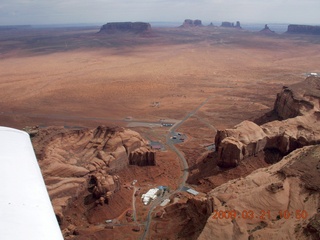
[[183, 161]]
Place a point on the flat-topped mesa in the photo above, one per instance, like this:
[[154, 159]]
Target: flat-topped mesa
[[192, 23], [133, 27], [298, 109], [303, 29]]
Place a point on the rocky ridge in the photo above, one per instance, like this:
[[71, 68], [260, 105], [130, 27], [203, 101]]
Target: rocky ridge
[[297, 110], [282, 200], [73, 161]]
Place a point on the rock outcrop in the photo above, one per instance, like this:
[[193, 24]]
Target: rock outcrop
[[297, 108], [103, 186], [244, 140], [73, 161], [280, 200], [192, 23], [134, 27], [303, 29]]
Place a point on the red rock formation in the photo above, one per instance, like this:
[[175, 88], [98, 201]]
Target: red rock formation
[[73, 161], [297, 106], [258, 201], [246, 139]]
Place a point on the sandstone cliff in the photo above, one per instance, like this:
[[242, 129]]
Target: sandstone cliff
[[303, 29], [134, 27], [296, 107], [282, 200], [73, 161]]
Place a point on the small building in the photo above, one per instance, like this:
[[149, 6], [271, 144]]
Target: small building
[[165, 202], [192, 191], [150, 196]]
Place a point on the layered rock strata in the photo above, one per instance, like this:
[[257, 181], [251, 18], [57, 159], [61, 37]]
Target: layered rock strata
[[297, 108], [278, 202], [73, 161]]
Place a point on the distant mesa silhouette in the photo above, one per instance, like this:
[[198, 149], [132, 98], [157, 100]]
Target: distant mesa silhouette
[[134, 27], [192, 23], [303, 29], [231, 25]]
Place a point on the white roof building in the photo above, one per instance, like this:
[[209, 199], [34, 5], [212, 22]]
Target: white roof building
[[149, 196], [192, 191]]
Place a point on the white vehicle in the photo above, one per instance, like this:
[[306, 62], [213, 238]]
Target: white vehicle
[[25, 208]]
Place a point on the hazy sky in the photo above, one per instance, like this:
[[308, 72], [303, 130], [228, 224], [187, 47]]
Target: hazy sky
[[103, 11]]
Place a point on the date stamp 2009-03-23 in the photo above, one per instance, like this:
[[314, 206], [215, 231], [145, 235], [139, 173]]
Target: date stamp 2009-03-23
[[262, 214]]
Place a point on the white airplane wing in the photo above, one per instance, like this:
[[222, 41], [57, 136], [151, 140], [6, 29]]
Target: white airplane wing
[[26, 212]]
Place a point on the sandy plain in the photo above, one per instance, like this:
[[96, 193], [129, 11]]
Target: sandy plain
[[72, 78], [76, 77]]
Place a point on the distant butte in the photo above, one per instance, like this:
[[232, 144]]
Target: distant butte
[[192, 23], [267, 30], [133, 27], [231, 25], [304, 29]]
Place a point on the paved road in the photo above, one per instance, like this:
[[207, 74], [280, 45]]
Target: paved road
[[184, 164]]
